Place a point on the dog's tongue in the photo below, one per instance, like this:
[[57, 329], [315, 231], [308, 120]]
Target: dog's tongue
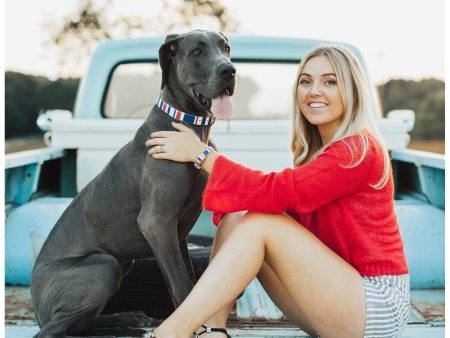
[[222, 107]]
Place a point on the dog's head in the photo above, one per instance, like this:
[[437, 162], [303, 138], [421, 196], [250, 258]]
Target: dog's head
[[200, 61]]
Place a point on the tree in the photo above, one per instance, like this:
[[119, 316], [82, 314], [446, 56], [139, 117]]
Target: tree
[[78, 34], [209, 13], [425, 97], [26, 96]]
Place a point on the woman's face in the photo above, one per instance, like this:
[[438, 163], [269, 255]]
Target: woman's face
[[319, 97]]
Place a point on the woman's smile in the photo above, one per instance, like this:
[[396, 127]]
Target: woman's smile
[[317, 106]]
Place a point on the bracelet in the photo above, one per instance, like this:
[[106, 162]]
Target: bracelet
[[200, 158]]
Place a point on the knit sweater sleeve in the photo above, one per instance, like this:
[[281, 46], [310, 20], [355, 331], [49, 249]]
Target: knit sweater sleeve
[[233, 187]]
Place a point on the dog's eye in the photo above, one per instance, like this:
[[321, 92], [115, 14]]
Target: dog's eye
[[196, 51], [227, 49]]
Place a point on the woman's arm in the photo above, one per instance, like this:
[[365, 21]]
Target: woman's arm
[[181, 146], [233, 187]]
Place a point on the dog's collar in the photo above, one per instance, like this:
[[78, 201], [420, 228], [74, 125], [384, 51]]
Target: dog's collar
[[182, 116]]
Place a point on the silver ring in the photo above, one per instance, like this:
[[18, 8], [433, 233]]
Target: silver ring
[[161, 148]]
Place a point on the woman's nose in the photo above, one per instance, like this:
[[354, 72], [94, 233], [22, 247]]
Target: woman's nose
[[315, 89]]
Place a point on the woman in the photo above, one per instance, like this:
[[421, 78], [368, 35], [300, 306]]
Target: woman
[[322, 238]]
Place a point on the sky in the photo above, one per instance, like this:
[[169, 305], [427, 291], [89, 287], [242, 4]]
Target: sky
[[398, 38]]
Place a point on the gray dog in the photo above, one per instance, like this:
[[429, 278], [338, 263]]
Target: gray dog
[[137, 206]]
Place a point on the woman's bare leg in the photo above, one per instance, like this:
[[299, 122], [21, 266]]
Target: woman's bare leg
[[271, 283], [326, 289], [224, 231], [283, 300]]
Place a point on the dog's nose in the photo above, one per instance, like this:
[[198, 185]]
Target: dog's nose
[[227, 70]]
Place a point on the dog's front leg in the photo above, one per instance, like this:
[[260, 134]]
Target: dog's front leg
[[161, 234], [187, 259], [191, 212]]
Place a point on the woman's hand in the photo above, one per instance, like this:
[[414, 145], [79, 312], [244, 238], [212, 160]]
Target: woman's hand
[[181, 146]]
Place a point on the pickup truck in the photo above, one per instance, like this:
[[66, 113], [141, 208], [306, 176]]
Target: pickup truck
[[115, 96]]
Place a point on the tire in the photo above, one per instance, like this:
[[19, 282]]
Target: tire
[[144, 289]]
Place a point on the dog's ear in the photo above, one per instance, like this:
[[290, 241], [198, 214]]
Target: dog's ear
[[223, 36], [167, 50]]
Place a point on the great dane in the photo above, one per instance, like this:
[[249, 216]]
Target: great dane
[[137, 206]]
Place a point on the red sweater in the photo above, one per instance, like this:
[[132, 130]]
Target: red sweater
[[334, 202]]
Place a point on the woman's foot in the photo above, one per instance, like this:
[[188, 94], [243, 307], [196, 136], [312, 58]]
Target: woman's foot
[[162, 332], [211, 332]]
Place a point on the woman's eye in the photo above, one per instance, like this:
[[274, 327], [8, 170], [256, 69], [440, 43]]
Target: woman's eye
[[330, 82], [196, 51], [303, 82]]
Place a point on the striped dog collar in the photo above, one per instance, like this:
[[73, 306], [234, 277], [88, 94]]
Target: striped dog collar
[[182, 116]]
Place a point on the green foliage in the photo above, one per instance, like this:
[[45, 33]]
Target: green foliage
[[26, 95], [76, 35], [425, 97]]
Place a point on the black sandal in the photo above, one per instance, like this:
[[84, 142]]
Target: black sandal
[[194, 335], [208, 329]]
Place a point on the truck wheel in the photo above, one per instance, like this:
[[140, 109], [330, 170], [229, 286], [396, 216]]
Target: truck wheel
[[144, 289]]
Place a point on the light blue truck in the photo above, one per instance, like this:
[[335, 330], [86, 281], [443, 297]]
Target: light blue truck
[[115, 96]]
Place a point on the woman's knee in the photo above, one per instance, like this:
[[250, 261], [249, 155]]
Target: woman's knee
[[241, 220], [264, 224], [226, 227], [253, 223], [228, 223], [263, 220]]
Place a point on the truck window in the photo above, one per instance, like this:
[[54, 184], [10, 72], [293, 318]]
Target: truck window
[[263, 91]]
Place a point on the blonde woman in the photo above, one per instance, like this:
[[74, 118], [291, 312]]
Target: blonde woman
[[322, 238]]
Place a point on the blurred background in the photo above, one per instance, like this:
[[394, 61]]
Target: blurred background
[[49, 44]]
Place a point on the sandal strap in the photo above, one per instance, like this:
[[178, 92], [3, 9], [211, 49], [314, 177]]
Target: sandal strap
[[208, 329]]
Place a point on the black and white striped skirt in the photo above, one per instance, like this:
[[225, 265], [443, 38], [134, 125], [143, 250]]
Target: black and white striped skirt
[[387, 305]]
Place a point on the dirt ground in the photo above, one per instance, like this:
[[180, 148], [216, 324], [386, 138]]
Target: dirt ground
[[16, 144], [437, 146]]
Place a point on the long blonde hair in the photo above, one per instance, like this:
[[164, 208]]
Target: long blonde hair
[[359, 108]]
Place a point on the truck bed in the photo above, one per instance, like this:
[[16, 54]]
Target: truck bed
[[426, 319], [419, 205], [39, 184]]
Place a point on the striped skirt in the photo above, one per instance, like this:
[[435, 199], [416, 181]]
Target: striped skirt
[[387, 305]]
